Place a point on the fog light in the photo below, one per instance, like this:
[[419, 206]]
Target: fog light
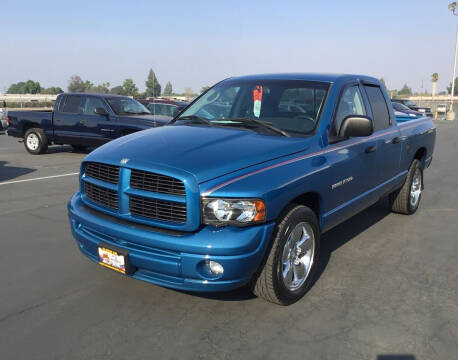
[[215, 267]]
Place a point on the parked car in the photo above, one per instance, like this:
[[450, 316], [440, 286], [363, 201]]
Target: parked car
[[441, 108], [211, 204], [3, 119], [426, 111], [81, 120], [406, 110], [165, 107]]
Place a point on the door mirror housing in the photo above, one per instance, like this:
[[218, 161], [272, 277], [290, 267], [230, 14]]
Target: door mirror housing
[[356, 126], [100, 111]]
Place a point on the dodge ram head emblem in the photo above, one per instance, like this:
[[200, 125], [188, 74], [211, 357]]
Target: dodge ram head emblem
[[124, 161]]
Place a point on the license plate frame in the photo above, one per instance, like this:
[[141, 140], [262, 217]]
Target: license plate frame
[[114, 258]]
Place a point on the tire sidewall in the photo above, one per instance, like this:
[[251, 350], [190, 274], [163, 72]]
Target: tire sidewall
[[299, 214], [415, 165], [39, 149]]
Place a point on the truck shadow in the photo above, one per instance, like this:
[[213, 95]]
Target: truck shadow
[[330, 241], [12, 172], [396, 357]]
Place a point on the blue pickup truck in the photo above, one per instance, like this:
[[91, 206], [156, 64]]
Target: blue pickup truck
[[239, 187], [81, 120]]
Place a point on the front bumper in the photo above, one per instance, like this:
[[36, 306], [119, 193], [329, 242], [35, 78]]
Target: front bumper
[[174, 260]]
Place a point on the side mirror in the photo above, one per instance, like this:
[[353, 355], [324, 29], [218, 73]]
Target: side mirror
[[355, 126], [100, 111]]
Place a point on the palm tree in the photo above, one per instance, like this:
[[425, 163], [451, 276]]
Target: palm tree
[[434, 78]]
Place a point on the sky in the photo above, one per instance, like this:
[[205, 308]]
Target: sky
[[198, 43]]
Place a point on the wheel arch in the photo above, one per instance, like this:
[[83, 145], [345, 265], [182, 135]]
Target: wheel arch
[[312, 200], [420, 155]]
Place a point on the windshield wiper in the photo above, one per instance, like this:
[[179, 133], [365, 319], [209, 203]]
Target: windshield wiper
[[258, 122], [195, 117]]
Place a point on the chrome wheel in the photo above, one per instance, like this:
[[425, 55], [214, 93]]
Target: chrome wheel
[[415, 188], [33, 142], [297, 257]]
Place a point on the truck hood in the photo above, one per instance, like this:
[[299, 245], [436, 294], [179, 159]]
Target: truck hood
[[205, 152]]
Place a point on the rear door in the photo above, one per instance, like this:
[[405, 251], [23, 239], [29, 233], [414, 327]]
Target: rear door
[[95, 129], [387, 135], [67, 119]]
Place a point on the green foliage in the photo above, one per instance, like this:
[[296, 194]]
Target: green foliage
[[129, 88], [434, 77], [53, 90], [28, 87], [117, 90], [153, 88], [168, 91], [103, 88], [204, 88], [76, 84], [405, 91]]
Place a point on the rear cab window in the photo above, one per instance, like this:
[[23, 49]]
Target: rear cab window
[[71, 104], [380, 113]]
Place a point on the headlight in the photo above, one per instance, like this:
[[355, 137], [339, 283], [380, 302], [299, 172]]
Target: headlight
[[239, 212], [421, 110]]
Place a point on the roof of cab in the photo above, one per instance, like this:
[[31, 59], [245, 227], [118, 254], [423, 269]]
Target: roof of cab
[[306, 77], [95, 94]]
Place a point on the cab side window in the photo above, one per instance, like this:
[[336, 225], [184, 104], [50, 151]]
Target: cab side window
[[72, 104], [351, 103], [91, 104], [379, 108]]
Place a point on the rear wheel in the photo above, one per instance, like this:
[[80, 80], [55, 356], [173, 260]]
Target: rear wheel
[[288, 270], [407, 199], [35, 141]]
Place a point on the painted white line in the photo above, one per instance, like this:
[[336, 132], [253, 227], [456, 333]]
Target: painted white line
[[40, 178]]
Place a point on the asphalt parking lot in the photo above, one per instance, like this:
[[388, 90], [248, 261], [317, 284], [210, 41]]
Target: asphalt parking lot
[[388, 284]]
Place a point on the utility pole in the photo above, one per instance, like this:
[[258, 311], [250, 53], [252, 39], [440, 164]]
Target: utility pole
[[451, 114]]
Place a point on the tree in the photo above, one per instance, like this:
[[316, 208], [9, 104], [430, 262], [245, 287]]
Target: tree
[[449, 88], [129, 88], [16, 88], [168, 89], [28, 87], [153, 88], [405, 91], [103, 88], [434, 78], [204, 88], [76, 84], [118, 90], [53, 90]]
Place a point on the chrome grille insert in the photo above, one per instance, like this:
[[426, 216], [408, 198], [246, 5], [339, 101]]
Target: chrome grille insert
[[157, 209], [103, 172], [147, 181], [101, 196]]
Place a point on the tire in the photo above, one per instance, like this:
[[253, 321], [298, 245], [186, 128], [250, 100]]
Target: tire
[[35, 141], [79, 148], [269, 281], [407, 199]]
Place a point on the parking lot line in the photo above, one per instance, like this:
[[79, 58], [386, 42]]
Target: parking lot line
[[39, 178]]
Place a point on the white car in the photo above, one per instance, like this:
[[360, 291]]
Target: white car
[[441, 108]]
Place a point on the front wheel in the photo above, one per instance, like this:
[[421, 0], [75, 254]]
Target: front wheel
[[35, 141], [288, 271]]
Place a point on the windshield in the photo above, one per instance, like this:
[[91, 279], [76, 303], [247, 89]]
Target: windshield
[[123, 106], [292, 106], [399, 106]]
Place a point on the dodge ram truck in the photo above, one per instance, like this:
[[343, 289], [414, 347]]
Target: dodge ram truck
[[81, 120], [240, 195]]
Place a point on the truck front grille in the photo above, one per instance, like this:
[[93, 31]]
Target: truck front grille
[[148, 181], [158, 209], [101, 196], [103, 172]]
